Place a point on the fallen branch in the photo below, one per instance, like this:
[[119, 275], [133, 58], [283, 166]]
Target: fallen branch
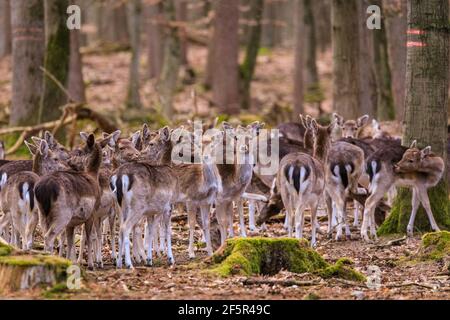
[[394, 242], [409, 284], [284, 283]]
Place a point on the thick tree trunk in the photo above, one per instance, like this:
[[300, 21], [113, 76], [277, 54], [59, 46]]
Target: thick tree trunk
[[345, 58], [134, 26], [427, 81], [368, 84], [57, 39], [251, 54], [268, 30], [385, 106], [155, 39], [322, 15], [5, 28], [171, 64], [210, 60], [28, 55], [226, 51], [76, 83], [311, 74], [299, 60], [181, 17], [120, 20], [395, 21]]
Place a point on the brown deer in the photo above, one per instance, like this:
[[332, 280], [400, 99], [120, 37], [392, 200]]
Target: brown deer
[[414, 168], [350, 128], [17, 201], [235, 176], [198, 183], [68, 198]]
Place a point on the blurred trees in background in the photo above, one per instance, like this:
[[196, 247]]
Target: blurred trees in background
[[369, 66]]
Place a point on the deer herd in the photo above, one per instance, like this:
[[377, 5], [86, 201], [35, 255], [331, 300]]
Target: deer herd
[[136, 181]]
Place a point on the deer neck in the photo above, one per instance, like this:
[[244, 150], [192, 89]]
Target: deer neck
[[321, 147], [37, 164], [243, 170], [95, 160]]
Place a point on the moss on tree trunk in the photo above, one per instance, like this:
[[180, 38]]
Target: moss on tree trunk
[[57, 57]]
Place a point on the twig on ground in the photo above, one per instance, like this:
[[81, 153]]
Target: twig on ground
[[284, 283]]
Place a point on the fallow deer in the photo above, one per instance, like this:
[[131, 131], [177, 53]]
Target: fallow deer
[[68, 198], [17, 201], [417, 169]]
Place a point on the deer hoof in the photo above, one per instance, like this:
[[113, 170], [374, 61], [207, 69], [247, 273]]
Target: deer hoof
[[149, 262]]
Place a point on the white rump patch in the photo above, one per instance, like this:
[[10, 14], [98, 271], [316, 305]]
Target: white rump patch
[[303, 184], [113, 183], [3, 180]]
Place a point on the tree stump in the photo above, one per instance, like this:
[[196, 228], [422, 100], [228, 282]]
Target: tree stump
[[23, 270], [267, 256]]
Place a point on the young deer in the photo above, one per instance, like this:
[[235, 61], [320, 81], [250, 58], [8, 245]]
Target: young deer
[[350, 128], [68, 198], [235, 176], [144, 191], [17, 200], [198, 183], [420, 170]]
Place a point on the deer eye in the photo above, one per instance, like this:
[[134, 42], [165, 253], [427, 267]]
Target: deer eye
[[410, 161]]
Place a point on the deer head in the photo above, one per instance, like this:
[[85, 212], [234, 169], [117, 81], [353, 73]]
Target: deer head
[[159, 149], [124, 149], [413, 159], [45, 161], [350, 128]]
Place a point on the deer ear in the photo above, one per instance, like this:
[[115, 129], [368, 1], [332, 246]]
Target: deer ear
[[227, 126], [361, 121], [31, 147], [165, 133], [136, 139], [114, 137], [425, 152], [36, 140], [314, 126], [145, 131], [105, 135], [84, 136], [339, 120], [43, 148], [413, 144], [90, 141], [49, 138]]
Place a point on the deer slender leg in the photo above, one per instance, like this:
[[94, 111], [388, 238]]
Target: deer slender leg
[[240, 207], [251, 215], [204, 210], [191, 213], [423, 196], [415, 203], [88, 225], [168, 229], [313, 223], [70, 254], [299, 220]]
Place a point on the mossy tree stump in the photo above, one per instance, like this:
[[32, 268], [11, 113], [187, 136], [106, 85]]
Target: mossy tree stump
[[435, 246], [20, 270], [268, 256]]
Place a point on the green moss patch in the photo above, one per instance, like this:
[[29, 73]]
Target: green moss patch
[[435, 246], [265, 256], [5, 249], [34, 260]]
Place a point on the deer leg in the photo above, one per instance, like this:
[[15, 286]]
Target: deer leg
[[299, 220], [88, 225], [222, 220], [240, 207], [112, 222], [329, 213], [314, 207], [82, 245], [348, 234], [251, 215], [70, 254], [204, 210], [162, 236], [152, 223], [168, 230], [191, 213], [230, 215], [29, 232], [99, 242], [356, 211], [423, 196], [369, 210], [339, 208]]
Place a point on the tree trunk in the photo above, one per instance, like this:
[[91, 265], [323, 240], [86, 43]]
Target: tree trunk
[[385, 106], [134, 25], [57, 39], [322, 15], [368, 84], [181, 17], [171, 64], [210, 60], [76, 83], [311, 75], [251, 54], [396, 25], [155, 39], [226, 51], [121, 34], [345, 58], [5, 28], [427, 81], [299, 59], [27, 20]]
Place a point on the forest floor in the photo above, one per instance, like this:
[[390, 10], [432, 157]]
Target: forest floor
[[402, 276]]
